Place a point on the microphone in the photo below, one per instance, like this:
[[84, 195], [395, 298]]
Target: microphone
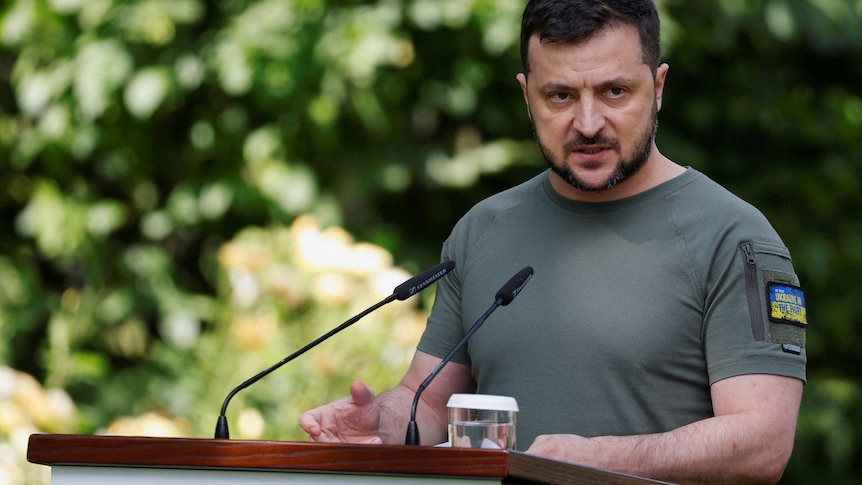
[[401, 292], [504, 296]]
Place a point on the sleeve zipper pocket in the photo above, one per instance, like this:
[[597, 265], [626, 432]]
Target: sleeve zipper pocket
[[752, 291]]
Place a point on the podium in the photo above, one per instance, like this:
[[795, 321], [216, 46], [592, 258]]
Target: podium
[[101, 460]]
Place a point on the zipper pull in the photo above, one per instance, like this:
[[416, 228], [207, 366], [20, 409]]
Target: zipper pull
[[748, 249]]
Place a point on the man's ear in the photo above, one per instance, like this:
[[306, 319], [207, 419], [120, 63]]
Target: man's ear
[[522, 80], [660, 77]]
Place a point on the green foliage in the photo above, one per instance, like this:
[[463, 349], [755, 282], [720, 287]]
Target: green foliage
[[141, 140], [763, 97]]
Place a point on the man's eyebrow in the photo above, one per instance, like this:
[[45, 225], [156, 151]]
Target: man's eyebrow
[[618, 81], [557, 86], [549, 87]]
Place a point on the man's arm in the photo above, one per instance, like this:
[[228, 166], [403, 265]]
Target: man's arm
[[749, 440], [431, 415], [364, 418]]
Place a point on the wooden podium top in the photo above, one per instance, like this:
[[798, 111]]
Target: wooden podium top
[[192, 453]]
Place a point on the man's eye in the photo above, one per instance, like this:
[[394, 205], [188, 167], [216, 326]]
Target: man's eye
[[560, 97], [616, 92]]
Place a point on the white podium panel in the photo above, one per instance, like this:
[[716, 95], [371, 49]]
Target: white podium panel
[[84, 475]]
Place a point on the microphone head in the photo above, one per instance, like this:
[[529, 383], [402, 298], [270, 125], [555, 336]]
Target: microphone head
[[514, 286], [422, 280]]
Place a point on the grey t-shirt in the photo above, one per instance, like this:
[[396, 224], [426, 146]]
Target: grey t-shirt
[[635, 308]]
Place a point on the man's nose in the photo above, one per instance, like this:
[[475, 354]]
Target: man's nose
[[588, 118]]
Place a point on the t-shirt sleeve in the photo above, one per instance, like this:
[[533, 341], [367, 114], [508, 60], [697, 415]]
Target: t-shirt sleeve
[[756, 317], [444, 329]]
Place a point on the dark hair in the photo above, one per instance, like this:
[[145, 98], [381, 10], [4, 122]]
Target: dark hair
[[573, 21]]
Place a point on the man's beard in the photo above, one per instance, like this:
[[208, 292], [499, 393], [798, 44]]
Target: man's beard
[[624, 169]]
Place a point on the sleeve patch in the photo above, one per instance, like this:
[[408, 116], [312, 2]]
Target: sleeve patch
[[786, 304]]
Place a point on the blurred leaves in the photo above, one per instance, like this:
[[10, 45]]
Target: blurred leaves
[[183, 185]]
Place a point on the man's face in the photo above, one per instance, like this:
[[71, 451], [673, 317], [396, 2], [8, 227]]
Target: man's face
[[594, 107]]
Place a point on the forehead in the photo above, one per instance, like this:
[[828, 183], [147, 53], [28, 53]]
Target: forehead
[[614, 49]]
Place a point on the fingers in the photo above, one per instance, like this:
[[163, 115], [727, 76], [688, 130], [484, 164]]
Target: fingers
[[323, 438], [333, 422], [309, 422]]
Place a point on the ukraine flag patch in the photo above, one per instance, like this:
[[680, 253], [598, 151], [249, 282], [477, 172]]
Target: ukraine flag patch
[[787, 304]]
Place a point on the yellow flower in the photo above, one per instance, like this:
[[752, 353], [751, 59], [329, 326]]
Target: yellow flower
[[149, 424], [11, 417], [253, 331], [365, 259], [250, 424], [332, 289]]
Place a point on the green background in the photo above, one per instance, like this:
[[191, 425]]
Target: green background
[[191, 190]]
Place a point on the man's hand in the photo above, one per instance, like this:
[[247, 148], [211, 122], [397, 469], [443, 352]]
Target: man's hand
[[749, 440], [566, 447], [354, 419]]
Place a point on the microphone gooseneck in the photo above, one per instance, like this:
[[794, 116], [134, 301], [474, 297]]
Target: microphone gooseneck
[[401, 292], [504, 296]]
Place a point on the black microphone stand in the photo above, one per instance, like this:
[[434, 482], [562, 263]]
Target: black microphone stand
[[401, 292], [504, 296], [221, 425]]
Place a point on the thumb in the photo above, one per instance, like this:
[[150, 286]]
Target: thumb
[[361, 394]]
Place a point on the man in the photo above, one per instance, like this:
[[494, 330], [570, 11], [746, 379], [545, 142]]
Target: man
[[663, 332]]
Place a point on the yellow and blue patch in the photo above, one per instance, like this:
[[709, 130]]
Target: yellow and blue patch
[[786, 304]]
